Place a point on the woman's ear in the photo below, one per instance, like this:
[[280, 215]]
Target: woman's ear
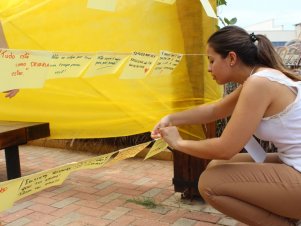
[[232, 58]]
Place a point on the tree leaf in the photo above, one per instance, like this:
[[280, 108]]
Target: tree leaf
[[221, 2], [233, 20], [227, 21]]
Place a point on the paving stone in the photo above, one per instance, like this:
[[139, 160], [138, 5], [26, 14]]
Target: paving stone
[[184, 222], [64, 202], [142, 181], [116, 213], [103, 185], [200, 216], [152, 192], [71, 217], [160, 209], [62, 189], [20, 206], [176, 201], [123, 220], [16, 215], [210, 209], [227, 221], [109, 197], [20, 222]]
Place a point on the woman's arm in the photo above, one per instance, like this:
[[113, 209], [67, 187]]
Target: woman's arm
[[254, 99], [201, 114]]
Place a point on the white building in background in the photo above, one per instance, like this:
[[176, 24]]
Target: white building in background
[[275, 33]]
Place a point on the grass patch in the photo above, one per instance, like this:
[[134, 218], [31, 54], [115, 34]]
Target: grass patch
[[144, 201]]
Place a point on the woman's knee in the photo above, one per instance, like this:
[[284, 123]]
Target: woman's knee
[[214, 162], [213, 177], [202, 184], [208, 180]]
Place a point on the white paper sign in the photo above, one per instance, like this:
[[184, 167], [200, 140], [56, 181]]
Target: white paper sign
[[106, 5], [208, 8], [255, 150]]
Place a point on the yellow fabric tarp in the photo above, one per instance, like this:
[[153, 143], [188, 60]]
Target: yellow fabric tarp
[[106, 106]]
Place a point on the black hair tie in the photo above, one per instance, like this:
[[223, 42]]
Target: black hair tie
[[253, 37]]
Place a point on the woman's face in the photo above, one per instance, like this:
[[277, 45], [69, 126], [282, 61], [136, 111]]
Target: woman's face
[[219, 67]]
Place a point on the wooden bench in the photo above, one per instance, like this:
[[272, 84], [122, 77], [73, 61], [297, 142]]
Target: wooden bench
[[13, 134]]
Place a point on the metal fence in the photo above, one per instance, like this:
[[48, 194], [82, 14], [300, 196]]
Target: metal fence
[[291, 55]]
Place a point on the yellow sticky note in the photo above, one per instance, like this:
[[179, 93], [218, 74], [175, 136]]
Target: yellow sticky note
[[107, 5], [129, 152], [159, 146], [167, 63], [139, 65], [9, 193], [93, 163], [208, 8], [68, 64], [23, 68], [105, 63], [166, 1], [37, 182]]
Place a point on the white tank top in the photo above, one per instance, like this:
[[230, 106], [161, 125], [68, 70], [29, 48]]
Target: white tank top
[[284, 128]]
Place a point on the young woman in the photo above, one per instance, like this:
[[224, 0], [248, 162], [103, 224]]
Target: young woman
[[267, 104]]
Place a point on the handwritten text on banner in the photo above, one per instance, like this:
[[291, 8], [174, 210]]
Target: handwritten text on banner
[[167, 63], [139, 65], [23, 68], [30, 68], [105, 63], [66, 65]]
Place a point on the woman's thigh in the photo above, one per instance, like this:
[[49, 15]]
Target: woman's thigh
[[271, 186], [245, 157]]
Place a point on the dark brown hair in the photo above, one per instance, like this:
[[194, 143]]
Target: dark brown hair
[[251, 49]]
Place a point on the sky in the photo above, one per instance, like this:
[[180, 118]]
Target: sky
[[285, 13]]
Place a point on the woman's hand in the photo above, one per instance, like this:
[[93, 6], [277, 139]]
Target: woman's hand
[[171, 136], [11, 93], [164, 122]]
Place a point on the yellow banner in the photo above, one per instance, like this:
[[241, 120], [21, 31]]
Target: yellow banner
[[167, 1], [159, 146], [13, 190], [78, 104]]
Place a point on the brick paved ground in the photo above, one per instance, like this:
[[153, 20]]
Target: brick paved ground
[[103, 196]]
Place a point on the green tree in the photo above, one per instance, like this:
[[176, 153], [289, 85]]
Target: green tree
[[225, 21]]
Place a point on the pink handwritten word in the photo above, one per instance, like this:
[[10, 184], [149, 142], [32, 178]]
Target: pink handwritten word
[[39, 64], [16, 73], [21, 64], [24, 56], [2, 190], [6, 54]]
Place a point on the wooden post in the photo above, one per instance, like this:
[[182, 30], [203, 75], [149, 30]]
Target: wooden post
[[187, 169]]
